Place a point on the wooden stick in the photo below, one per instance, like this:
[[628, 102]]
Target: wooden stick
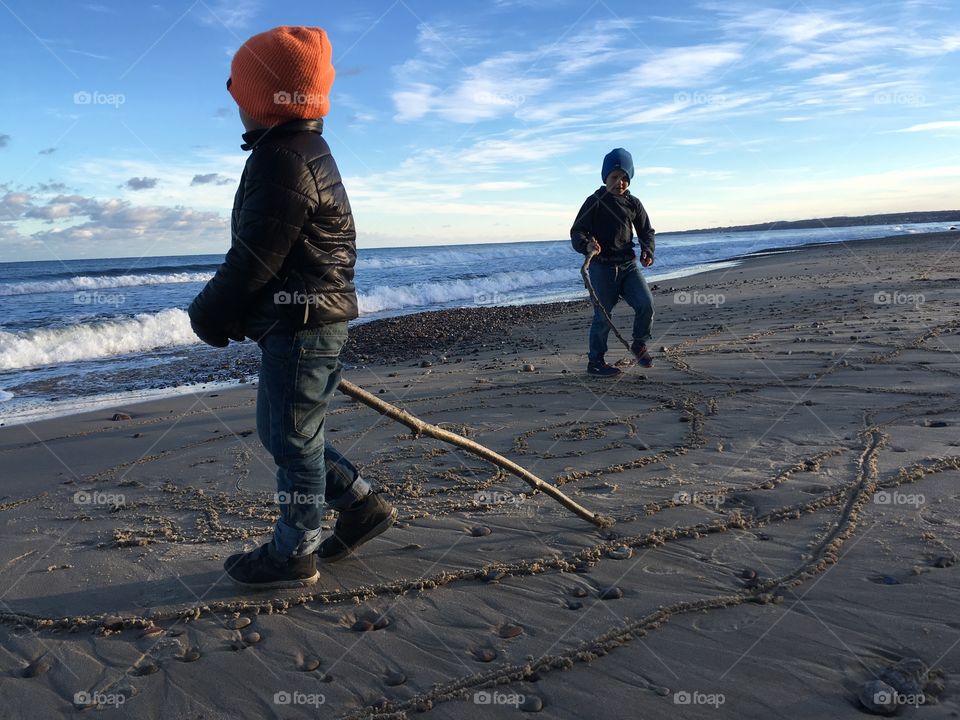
[[420, 427], [596, 300]]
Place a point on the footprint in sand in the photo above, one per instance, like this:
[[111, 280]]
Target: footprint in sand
[[661, 570], [730, 622]]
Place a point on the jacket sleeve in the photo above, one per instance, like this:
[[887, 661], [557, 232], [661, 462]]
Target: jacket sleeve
[[645, 233], [582, 229], [279, 195]]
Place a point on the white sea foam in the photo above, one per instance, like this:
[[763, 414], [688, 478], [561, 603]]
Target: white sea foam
[[4, 395], [99, 282], [34, 410], [502, 288], [429, 256], [51, 346]]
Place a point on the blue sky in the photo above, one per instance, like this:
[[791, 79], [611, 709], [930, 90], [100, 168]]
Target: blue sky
[[478, 121]]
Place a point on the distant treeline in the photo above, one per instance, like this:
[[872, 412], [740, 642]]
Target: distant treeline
[[843, 221]]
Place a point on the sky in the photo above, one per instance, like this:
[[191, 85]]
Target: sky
[[478, 121]]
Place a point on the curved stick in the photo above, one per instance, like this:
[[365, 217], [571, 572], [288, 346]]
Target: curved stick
[[420, 427], [596, 300]]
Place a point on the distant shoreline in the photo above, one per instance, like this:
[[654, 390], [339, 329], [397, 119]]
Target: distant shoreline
[[902, 218]]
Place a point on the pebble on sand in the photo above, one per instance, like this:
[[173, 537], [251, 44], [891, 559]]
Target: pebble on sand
[[251, 638], [484, 654], [240, 623], [611, 593], [531, 703], [310, 664], [362, 626], [480, 531], [152, 631], [574, 604], [119, 417], [878, 697], [620, 553], [578, 591], [191, 655], [148, 668], [37, 667], [748, 574], [509, 630], [381, 622], [945, 561], [395, 678]]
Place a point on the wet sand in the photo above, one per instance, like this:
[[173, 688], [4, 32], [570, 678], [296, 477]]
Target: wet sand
[[784, 484]]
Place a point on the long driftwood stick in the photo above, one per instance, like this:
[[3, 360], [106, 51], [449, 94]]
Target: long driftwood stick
[[596, 301], [420, 427]]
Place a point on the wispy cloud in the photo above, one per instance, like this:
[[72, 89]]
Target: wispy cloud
[[232, 14], [683, 67], [929, 126]]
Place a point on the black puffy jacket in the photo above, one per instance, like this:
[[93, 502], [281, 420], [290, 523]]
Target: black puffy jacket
[[611, 219], [293, 250]]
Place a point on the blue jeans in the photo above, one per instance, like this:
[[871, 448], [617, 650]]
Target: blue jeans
[[612, 282], [298, 375]]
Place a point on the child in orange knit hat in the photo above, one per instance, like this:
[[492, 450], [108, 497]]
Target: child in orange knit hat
[[287, 282]]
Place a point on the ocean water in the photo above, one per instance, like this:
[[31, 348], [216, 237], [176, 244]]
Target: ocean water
[[82, 332]]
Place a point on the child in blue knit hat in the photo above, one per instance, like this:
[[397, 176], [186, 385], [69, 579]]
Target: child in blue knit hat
[[604, 227]]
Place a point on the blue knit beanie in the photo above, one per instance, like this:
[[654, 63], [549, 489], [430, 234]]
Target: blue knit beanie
[[618, 158]]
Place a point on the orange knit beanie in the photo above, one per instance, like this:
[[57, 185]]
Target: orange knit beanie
[[283, 74]]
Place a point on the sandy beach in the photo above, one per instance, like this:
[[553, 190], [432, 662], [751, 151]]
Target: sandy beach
[[784, 484]]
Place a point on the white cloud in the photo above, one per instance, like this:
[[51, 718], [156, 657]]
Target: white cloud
[[232, 14], [684, 66], [938, 125], [495, 185]]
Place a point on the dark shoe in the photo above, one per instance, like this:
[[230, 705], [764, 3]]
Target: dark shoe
[[643, 357], [601, 369], [372, 516], [262, 568]]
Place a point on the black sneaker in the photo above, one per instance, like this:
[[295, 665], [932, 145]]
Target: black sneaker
[[643, 357], [601, 369], [372, 516], [263, 568]]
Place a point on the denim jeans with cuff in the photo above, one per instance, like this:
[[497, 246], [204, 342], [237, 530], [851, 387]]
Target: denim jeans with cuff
[[612, 282], [298, 375]]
